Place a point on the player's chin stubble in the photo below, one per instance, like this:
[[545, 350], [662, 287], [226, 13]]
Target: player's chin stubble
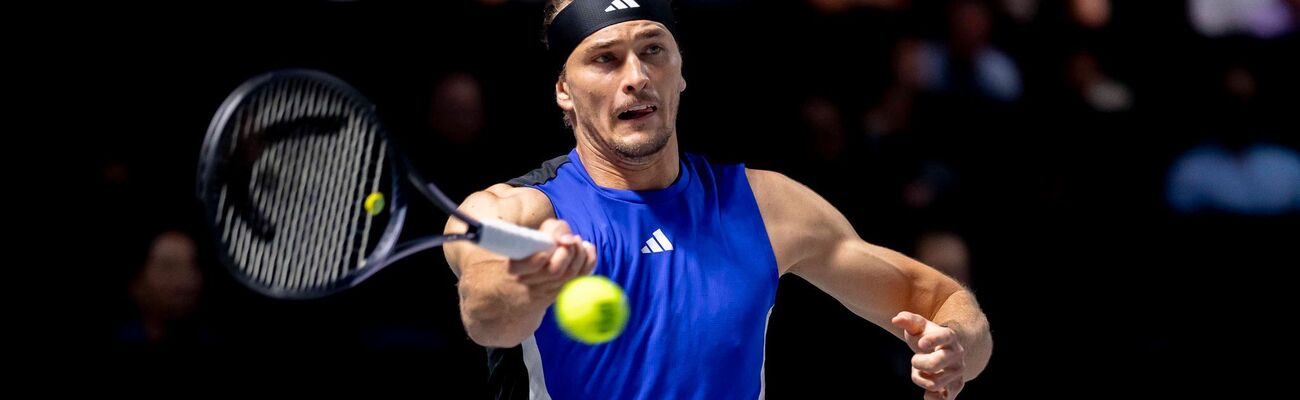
[[638, 149], [631, 149]]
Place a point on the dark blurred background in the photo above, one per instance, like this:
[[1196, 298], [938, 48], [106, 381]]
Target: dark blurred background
[[1118, 182]]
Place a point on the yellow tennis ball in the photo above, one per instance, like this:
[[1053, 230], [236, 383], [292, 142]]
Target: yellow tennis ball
[[375, 203], [591, 309]]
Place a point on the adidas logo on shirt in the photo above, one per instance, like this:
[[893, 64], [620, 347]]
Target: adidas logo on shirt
[[657, 243], [621, 5]]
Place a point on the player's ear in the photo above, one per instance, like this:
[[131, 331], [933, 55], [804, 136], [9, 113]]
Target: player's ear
[[562, 97]]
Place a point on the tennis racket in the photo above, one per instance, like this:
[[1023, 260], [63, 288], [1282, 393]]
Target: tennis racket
[[304, 190]]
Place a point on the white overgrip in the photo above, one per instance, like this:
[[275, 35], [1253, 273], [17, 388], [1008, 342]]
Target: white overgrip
[[512, 240]]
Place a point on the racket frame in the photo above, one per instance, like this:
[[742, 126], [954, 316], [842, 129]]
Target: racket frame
[[385, 252]]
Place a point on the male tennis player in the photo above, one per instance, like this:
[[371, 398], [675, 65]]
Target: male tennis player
[[698, 247]]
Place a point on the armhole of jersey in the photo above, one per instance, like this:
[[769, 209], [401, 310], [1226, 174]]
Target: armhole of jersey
[[507, 374], [542, 174], [776, 267], [536, 178]]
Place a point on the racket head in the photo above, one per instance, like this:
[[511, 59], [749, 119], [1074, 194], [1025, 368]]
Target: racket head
[[286, 168]]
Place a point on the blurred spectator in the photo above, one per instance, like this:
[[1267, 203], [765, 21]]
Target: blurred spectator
[[891, 135], [457, 110], [894, 112], [166, 293], [1259, 18], [1021, 11], [1091, 14], [457, 127], [1236, 172], [1098, 90], [968, 61], [934, 181], [1260, 179], [823, 121]]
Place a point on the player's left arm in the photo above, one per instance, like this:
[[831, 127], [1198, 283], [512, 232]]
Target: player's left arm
[[938, 317]]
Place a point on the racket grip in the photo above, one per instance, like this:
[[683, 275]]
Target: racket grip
[[512, 240]]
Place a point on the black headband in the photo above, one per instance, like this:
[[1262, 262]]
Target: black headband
[[584, 17]]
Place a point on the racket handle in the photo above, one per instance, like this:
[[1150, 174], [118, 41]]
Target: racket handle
[[512, 240]]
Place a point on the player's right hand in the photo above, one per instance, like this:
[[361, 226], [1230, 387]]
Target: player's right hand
[[546, 272]]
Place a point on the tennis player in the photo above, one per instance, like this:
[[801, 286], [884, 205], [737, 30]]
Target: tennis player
[[697, 246]]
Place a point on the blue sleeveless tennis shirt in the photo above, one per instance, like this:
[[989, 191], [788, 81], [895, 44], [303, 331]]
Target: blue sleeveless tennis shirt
[[700, 276]]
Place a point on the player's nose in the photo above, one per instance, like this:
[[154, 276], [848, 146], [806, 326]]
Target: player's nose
[[636, 75]]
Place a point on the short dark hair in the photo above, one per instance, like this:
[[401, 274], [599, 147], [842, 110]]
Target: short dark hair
[[552, 9]]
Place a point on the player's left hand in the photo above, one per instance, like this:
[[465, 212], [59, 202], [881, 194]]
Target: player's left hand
[[940, 359]]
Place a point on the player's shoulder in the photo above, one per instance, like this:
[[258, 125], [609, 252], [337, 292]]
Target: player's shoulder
[[771, 182], [781, 198], [762, 174], [518, 204], [504, 192]]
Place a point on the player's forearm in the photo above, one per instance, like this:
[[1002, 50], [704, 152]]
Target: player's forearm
[[961, 312]]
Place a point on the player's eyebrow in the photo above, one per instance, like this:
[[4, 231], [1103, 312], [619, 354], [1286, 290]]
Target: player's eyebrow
[[651, 33]]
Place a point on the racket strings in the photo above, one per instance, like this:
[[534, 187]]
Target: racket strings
[[309, 183]]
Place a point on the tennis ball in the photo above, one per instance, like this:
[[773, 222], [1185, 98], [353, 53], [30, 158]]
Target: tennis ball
[[591, 309], [375, 203]]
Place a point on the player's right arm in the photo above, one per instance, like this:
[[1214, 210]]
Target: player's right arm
[[503, 301]]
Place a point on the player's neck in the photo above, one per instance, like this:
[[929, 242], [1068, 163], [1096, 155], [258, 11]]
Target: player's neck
[[608, 170]]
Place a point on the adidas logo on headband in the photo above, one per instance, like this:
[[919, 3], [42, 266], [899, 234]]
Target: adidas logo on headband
[[621, 4]]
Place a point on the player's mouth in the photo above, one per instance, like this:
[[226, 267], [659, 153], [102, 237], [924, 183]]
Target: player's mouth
[[637, 112]]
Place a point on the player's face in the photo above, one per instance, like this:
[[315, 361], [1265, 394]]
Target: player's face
[[623, 84]]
